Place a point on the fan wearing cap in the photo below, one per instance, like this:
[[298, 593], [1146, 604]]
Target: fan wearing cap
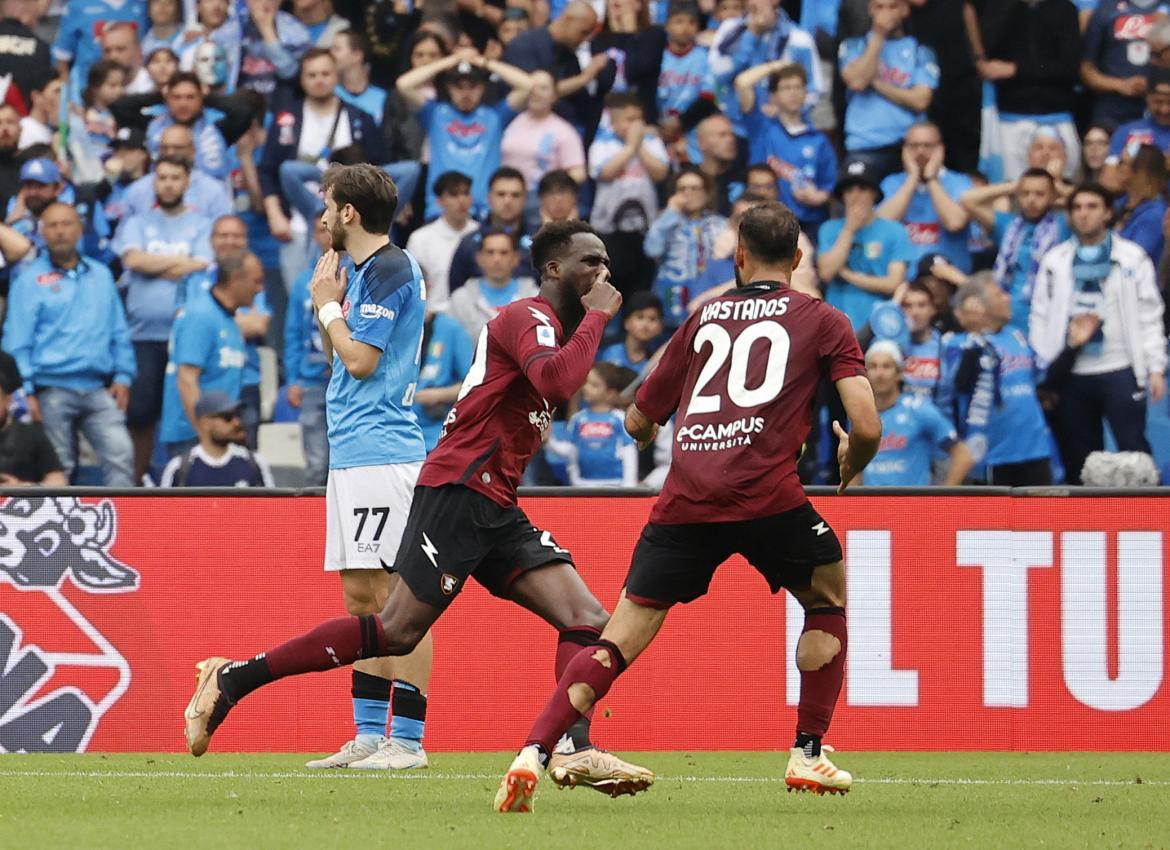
[[219, 459], [463, 133], [26, 455], [128, 161], [862, 257], [41, 184], [912, 428]]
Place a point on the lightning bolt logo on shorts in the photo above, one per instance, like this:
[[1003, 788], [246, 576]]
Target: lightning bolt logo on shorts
[[820, 528], [430, 550]]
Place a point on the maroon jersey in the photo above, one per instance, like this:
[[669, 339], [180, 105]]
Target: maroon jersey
[[519, 374], [742, 372]]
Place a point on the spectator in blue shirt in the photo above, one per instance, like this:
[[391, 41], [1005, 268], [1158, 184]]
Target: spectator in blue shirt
[[764, 34], [447, 352], [599, 451], [1117, 57], [862, 258], [77, 45], [204, 193], [642, 325], [925, 198], [801, 157], [1153, 128], [351, 50], [913, 429], [159, 248], [507, 200], [989, 375], [463, 133], [273, 43], [1138, 214], [890, 80], [682, 241], [306, 369], [67, 330], [920, 372], [219, 459], [1021, 239], [207, 350], [184, 105]]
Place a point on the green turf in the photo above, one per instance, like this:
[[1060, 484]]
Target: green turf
[[702, 800]]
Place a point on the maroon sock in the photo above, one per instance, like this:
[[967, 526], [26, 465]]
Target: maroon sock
[[819, 688], [596, 666], [332, 644], [570, 643]]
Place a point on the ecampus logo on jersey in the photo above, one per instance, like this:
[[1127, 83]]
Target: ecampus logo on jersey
[[43, 541]]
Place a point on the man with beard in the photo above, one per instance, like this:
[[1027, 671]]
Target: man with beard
[[204, 193], [220, 459], [159, 248], [206, 352]]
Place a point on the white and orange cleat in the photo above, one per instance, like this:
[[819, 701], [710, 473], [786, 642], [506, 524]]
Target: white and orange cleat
[[818, 774], [601, 770], [208, 705], [518, 787]]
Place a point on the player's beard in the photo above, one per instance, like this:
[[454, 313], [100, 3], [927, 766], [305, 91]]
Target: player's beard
[[337, 236]]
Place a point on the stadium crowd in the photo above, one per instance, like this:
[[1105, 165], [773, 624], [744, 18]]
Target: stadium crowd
[[982, 188]]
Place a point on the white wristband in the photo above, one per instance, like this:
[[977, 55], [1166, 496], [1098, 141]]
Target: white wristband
[[330, 311]]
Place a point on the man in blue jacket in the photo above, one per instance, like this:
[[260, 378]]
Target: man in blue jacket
[[67, 330]]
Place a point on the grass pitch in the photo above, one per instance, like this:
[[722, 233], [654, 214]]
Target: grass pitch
[[701, 800]]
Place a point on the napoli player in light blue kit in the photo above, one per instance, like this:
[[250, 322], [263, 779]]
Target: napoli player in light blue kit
[[912, 428], [371, 322]]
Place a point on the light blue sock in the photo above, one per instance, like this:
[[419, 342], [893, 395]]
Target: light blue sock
[[371, 703]]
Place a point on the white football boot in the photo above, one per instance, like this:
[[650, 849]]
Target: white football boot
[[518, 787], [392, 754], [359, 748], [818, 774]]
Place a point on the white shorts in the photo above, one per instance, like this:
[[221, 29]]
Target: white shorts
[[365, 512]]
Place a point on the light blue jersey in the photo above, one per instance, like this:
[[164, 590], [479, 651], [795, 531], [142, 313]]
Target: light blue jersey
[[448, 355], [912, 429], [79, 38], [872, 121], [600, 448], [151, 301], [992, 379], [682, 78], [205, 336], [371, 101], [370, 421], [920, 373], [304, 355], [1021, 266], [922, 223], [875, 246], [467, 142], [801, 158]]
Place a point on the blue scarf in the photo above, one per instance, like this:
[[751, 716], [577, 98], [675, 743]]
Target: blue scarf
[[1044, 236], [1090, 266]]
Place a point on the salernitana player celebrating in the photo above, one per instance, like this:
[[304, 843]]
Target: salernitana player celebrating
[[464, 521], [741, 373]]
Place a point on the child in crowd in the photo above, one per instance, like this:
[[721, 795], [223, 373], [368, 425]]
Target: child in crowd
[[597, 448], [643, 325]]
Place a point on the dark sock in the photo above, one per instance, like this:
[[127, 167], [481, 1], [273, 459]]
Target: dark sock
[[811, 744], [334, 643], [596, 666], [819, 688], [371, 703], [569, 643], [409, 707]]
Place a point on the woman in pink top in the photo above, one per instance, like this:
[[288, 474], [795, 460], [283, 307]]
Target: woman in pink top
[[539, 141]]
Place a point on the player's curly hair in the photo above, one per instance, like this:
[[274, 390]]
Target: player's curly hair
[[553, 238], [368, 188]]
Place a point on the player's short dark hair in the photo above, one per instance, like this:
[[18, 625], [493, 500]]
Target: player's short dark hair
[[368, 189], [1041, 173], [171, 159], [616, 377], [558, 180], [180, 77], [787, 72], [230, 266], [315, 53], [553, 238], [1091, 188], [622, 100], [506, 172], [450, 181], [489, 232], [641, 300], [769, 232]]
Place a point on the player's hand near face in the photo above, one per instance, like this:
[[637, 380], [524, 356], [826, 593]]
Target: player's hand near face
[[602, 295], [327, 285]]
